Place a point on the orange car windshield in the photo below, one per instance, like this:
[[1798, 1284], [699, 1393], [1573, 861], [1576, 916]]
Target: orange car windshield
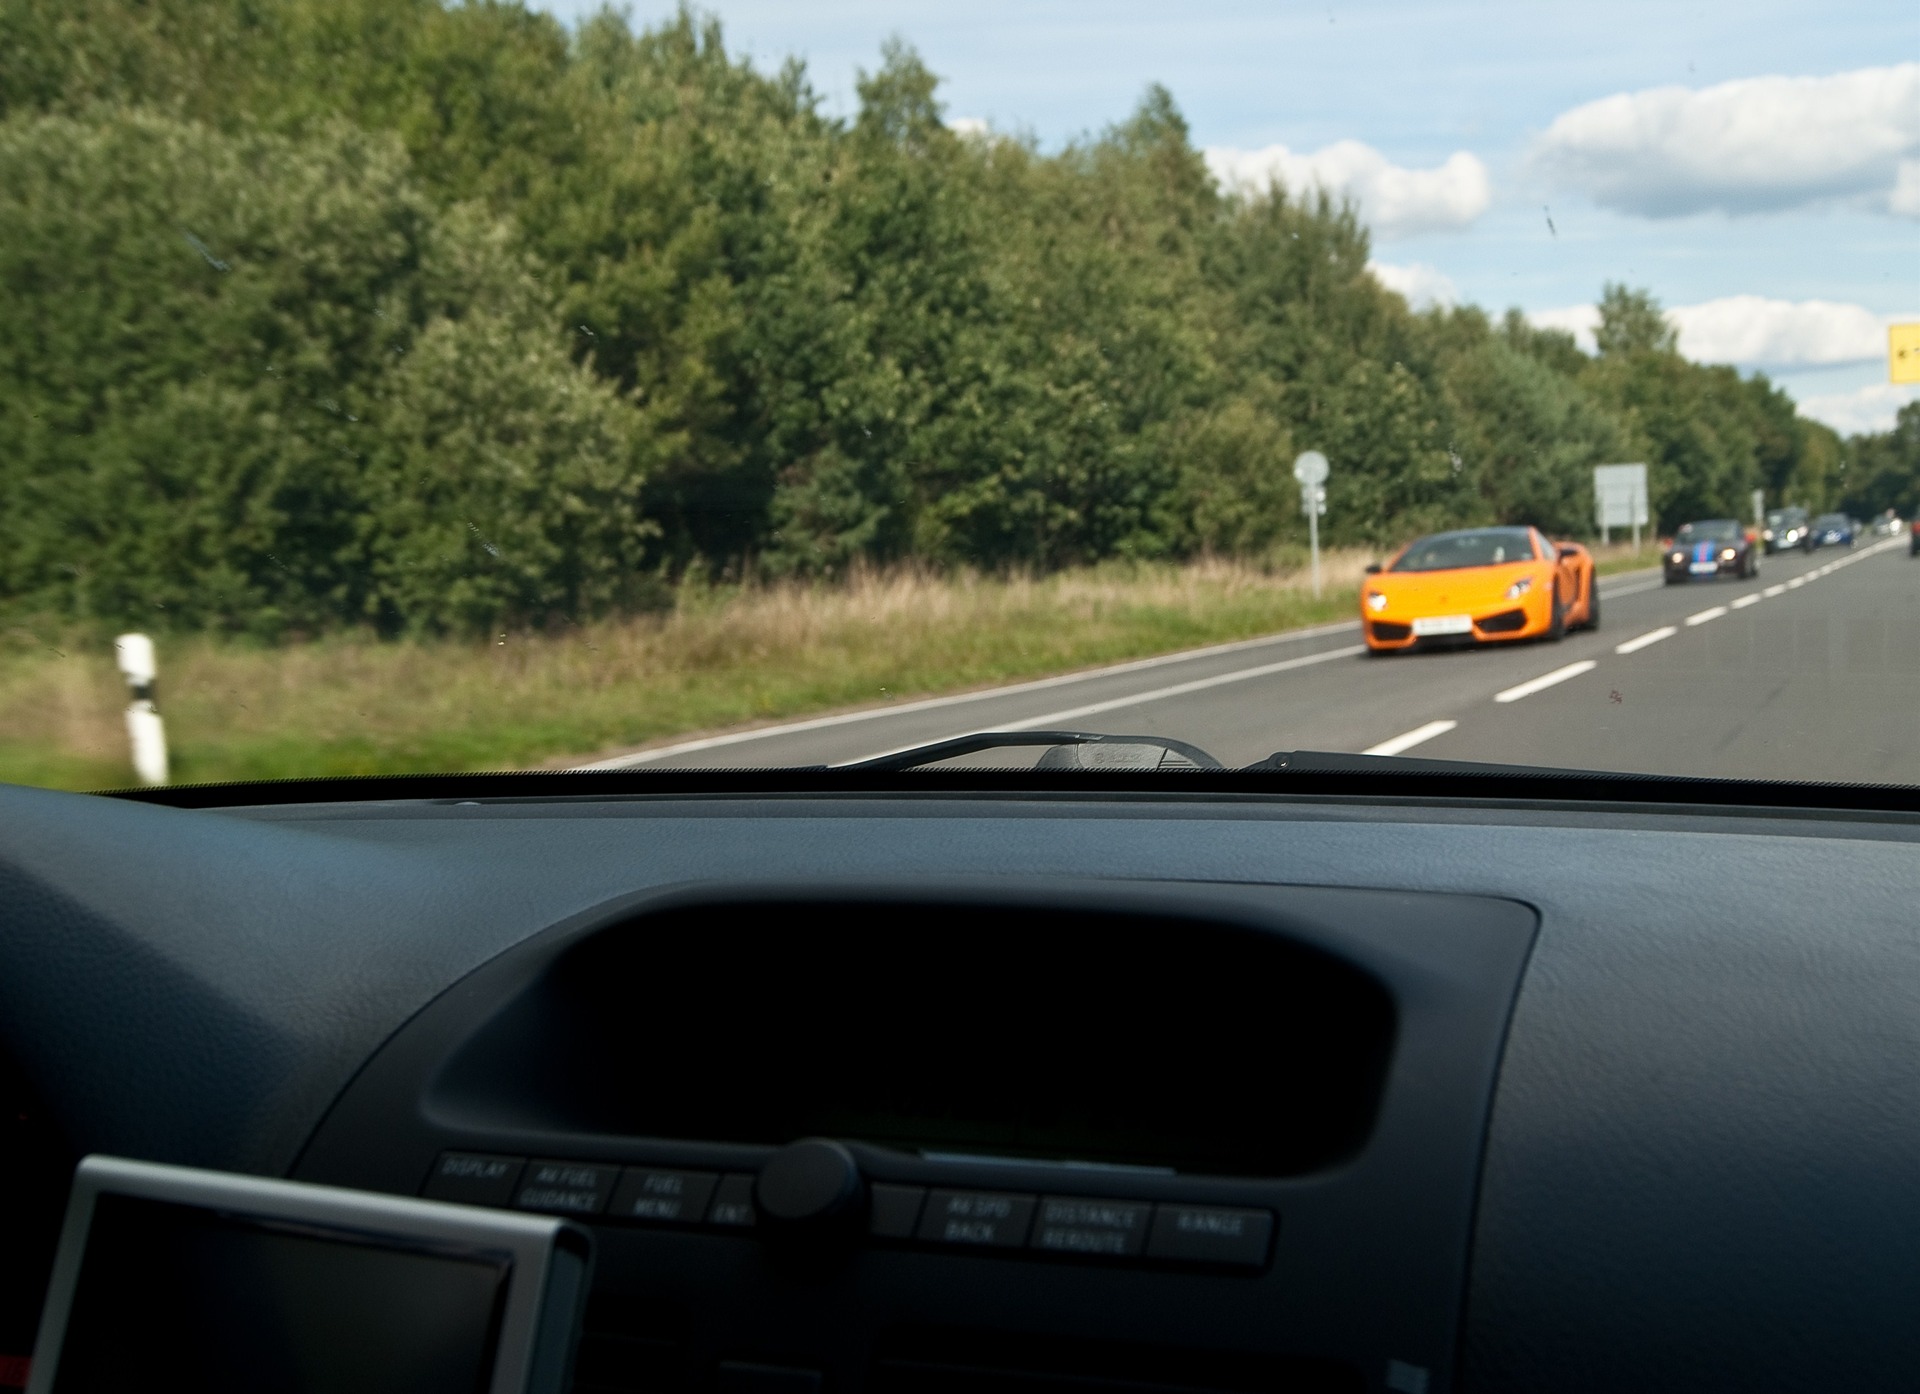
[[1449, 551]]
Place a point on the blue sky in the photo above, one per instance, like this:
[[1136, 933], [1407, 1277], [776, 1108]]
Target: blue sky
[[1546, 110]]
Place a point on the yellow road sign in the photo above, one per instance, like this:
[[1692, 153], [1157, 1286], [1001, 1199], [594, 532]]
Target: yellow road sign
[[1903, 352]]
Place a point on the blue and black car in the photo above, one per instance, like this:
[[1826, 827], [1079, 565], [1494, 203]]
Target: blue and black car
[[1788, 527], [1709, 548], [1832, 530]]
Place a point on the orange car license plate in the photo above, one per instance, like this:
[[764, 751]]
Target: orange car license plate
[[1443, 624]]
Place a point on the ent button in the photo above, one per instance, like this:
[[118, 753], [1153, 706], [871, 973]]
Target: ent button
[[1210, 1234], [990, 1219]]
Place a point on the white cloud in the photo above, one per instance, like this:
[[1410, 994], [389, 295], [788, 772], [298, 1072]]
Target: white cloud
[[1750, 146], [1578, 320], [1755, 332], [1423, 285], [1393, 200], [1751, 330], [1870, 408]]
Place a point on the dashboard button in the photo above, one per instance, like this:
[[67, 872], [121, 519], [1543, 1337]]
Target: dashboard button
[[663, 1196], [896, 1210], [569, 1188], [1211, 1234], [733, 1202], [988, 1219], [1076, 1225], [473, 1178]]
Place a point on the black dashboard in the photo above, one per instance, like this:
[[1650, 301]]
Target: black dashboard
[[1150, 1086]]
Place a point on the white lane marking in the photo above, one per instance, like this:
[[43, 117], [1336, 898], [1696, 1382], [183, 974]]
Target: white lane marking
[[1419, 735], [1796, 583], [1546, 680], [1715, 613], [1651, 637], [821, 723], [1772, 591], [1745, 601]]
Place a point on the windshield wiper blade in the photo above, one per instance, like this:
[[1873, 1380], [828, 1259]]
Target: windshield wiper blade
[[1064, 750]]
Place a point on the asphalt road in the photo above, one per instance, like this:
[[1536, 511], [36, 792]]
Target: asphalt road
[[1811, 671]]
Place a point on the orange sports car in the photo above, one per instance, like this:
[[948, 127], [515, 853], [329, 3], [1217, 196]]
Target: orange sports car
[[1490, 584]]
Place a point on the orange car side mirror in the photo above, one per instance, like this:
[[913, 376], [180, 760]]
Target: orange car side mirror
[[1569, 551], [1373, 568]]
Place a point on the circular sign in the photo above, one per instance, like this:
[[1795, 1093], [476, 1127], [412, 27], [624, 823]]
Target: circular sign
[[1310, 468]]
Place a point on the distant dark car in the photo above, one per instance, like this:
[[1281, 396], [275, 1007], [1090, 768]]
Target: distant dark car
[[1711, 547], [1787, 527], [1832, 530], [1913, 549]]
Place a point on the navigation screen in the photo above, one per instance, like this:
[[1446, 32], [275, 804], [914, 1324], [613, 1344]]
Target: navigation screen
[[175, 1297]]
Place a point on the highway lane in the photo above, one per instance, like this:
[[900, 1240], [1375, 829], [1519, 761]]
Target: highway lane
[[1808, 672]]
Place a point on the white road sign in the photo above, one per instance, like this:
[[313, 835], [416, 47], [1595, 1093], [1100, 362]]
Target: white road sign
[[1310, 468]]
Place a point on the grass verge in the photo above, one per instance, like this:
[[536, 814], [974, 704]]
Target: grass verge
[[349, 704]]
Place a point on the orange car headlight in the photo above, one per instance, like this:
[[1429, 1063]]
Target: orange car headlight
[[1519, 587], [1376, 601]]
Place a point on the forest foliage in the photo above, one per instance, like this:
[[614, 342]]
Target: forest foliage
[[422, 318]]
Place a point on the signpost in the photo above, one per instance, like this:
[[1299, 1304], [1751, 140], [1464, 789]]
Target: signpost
[[1310, 468], [1620, 499]]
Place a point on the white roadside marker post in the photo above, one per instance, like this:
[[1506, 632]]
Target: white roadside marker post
[[145, 730], [1310, 469]]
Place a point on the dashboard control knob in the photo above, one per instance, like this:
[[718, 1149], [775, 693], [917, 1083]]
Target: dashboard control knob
[[813, 1185]]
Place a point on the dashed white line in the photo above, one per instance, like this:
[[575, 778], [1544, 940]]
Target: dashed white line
[[1546, 680], [1771, 591], [1796, 583], [1715, 613], [1651, 637], [1417, 736], [1745, 601]]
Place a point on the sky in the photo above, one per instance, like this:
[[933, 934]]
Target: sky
[[1753, 163]]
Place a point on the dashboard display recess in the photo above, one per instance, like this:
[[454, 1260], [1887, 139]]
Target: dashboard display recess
[[1122, 1039]]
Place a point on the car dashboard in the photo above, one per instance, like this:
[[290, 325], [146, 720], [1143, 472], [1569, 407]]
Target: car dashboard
[[1166, 1083]]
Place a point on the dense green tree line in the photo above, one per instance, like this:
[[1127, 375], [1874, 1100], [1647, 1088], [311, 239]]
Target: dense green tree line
[[432, 318]]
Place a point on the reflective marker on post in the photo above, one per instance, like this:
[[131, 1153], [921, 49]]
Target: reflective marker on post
[[145, 730]]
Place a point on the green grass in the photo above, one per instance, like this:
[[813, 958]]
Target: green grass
[[350, 704]]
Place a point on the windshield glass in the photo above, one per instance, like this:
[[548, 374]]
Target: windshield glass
[[1713, 530], [395, 386], [1452, 550]]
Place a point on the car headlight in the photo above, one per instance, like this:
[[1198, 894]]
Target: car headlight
[[1519, 587], [1677, 558], [1728, 554], [1376, 601], [1767, 535]]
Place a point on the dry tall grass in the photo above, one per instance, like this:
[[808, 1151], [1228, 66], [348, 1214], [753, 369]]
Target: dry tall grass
[[725, 657]]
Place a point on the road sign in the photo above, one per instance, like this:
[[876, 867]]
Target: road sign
[[1620, 499], [1310, 468], [1903, 356]]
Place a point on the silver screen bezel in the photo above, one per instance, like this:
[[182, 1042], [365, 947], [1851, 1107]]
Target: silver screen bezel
[[528, 1242]]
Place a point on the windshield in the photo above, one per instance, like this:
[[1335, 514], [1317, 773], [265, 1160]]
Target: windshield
[[1713, 530], [1452, 550], [422, 386]]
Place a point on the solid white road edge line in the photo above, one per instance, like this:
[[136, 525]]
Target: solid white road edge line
[[1653, 636], [1419, 735], [1715, 613], [821, 723], [1158, 694], [1546, 680]]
